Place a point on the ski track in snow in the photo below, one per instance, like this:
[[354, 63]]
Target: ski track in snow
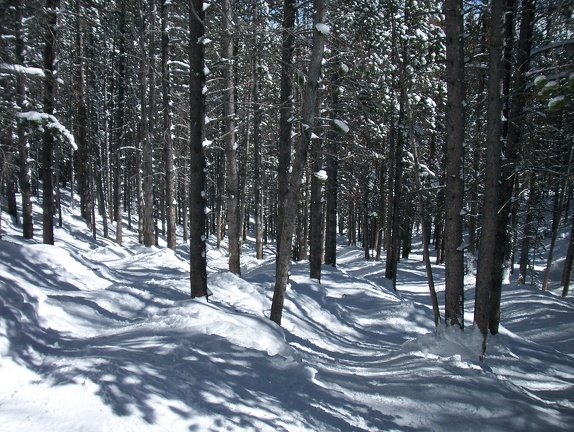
[[100, 337]]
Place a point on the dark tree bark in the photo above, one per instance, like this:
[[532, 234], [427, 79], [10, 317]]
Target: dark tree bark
[[486, 271], [316, 213], [285, 111], [24, 166], [81, 122], [120, 127], [146, 103], [50, 85], [197, 188], [257, 118], [529, 231], [395, 241], [232, 185], [332, 168], [567, 272], [511, 151], [558, 210], [421, 201], [168, 151], [293, 176], [454, 190]]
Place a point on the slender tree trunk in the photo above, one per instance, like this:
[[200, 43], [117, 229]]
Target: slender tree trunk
[[316, 213], [528, 229], [365, 218], [454, 191], [511, 152], [331, 192], [83, 151], [197, 188], [168, 152], [293, 176], [120, 126], [332, 168], [10, 185], [395, 240], [24, 171], [146, 199], [382, 208], [567, 272], [477, 145], [232, 186], [257, 117], [420, 199], [50, 83], [558, 215], [286, 112], [486, 270]]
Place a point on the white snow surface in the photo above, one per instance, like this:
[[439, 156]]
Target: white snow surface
[[100, 337]]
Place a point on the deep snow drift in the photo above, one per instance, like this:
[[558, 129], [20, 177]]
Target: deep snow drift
[[98, 337]]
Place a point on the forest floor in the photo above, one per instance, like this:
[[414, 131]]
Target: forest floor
[[100, 337]]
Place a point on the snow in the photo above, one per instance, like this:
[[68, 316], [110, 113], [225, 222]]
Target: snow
[[324, 29], [321, 175], [340, 125], [22, 69], [51, 122], [100, 337], [556, 102], [540, 80]]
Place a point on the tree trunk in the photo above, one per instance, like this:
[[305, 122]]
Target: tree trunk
[[366, 237], [257, 117], [567, 272], [511, 152], [420, 199], [285, 111], [331, 192], [528, 230], [168, 153], [558, 214], [454, 191], [316, 213], [50, 83], [232, 186], [486, 270], [294, 175], [120, 132], [395, 241], [197, 188], [83, 150], [146, 200], [24, 167]]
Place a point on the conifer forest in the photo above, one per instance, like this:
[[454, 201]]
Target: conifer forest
[[289, 131]]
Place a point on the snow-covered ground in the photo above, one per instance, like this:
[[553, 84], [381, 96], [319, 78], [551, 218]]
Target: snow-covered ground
[[98, 337]]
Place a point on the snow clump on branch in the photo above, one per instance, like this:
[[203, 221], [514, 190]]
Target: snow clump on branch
[[324, 29]]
